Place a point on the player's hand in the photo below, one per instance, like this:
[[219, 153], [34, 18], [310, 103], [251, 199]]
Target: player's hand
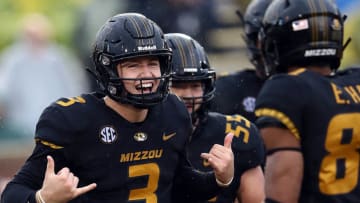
[[221, 159], [61, 187]]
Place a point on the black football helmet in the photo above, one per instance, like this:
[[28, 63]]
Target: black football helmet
[[190, 63], [252, 23], [126, 36], [301, 33]]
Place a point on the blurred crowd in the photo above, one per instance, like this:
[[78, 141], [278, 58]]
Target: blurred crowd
[[35, 70]]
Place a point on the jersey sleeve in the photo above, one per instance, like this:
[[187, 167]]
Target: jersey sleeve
[[55, 130], [248, 147], [59, 124], [29, 179], [281, 101]]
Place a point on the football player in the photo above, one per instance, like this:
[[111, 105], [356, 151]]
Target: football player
[[309, 114], [125, 143], [193, 81], [236, 93]]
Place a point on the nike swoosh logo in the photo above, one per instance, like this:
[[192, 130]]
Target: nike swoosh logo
[[167, 137], [206, 163]]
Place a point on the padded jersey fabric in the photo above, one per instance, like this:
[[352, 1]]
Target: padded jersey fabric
[[324, 114], [127, 161]]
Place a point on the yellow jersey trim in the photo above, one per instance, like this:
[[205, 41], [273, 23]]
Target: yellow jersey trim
[[49, 144], [281, 117], [297, 71]]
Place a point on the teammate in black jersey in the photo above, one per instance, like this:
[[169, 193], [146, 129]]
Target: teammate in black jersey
[[309, 114], [236, 93], [125, 144], [193, 81]]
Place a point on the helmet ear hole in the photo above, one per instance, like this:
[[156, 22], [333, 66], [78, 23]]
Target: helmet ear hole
[[104, 60]]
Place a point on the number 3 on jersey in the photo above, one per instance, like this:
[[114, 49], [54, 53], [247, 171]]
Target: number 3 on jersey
[[148, 193], [71, 101], [339, 169]]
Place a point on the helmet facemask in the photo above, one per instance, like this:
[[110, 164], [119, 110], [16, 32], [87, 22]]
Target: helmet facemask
[[207, 80], [117, 91], [252, 23]]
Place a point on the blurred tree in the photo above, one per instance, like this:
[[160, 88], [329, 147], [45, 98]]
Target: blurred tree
[[61, 13], [352, 52]]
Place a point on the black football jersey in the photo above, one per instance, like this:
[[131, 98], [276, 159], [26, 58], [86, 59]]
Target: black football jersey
[[236, 94], [129, 162], [247, 147], [324, 114]]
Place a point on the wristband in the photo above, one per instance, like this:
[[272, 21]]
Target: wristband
[[38, 197], [221, 184]]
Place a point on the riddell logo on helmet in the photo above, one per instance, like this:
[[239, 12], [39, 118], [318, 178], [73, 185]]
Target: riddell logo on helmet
[[145, 48], [320, 52]]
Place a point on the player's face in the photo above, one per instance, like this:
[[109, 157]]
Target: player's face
[[190, 92], [146, 71]]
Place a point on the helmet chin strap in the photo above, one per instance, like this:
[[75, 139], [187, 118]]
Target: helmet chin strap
[[194, 115], [198, 115]]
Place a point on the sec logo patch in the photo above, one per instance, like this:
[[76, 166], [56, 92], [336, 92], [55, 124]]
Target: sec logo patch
[[249, 104], [108, 135]]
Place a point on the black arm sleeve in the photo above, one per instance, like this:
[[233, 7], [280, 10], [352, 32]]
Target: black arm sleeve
[[15, 192], [191, 185], [22, 188]]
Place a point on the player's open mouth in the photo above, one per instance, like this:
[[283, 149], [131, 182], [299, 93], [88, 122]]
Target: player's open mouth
[[189, 105], [145, 87]]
